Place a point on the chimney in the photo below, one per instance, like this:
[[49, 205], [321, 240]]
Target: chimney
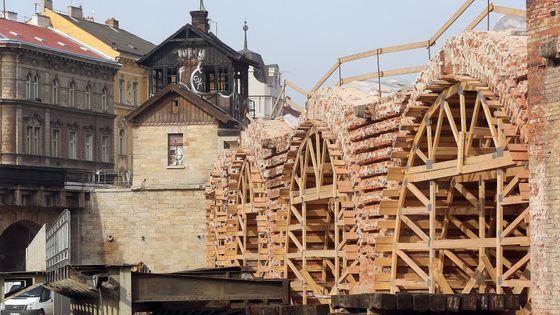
[[76, 12], [40, 20], [200, 20], [46, 4], [10, 15], [112, 22]]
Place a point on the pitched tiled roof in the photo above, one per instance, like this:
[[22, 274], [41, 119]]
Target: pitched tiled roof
[[45, 38], [119, 39]]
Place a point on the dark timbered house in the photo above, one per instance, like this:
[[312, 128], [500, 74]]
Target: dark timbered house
[[199, 62]]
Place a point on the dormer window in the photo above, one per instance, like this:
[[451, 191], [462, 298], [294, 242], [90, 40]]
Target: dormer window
[[39, 39]]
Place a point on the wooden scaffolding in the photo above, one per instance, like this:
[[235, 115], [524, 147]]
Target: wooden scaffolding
[[461, 215], [320, 241], [236, 220]]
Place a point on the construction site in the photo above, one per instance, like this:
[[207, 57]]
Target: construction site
[[434, 197]]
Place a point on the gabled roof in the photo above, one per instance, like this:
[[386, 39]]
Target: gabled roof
[[208, 37], [118, 38], [46, 38], [199, 102]]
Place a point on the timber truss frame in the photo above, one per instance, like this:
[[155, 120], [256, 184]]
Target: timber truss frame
[[461, 215], [248, 192], [320, 241]]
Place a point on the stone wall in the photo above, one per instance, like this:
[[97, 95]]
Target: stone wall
[[544, 132], [164, 229], [150, 146]]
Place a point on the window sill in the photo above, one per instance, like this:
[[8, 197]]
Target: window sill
[[175, 167]]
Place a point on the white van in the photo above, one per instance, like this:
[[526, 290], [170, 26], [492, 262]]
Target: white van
[[37, 301]]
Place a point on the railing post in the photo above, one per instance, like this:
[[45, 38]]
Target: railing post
[[378, 74], [339, 72]]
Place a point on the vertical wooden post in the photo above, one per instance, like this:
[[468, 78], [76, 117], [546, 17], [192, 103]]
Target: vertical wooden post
[[499, 229], [481, 225], [336, 242], [432, 210]]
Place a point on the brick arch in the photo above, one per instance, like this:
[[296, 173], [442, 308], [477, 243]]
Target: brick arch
[[497, 59]]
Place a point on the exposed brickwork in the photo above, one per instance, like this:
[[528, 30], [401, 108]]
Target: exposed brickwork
[[544, 125], [367, 127]]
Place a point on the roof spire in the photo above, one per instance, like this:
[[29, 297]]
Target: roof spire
[[245, 28], [202, 8]]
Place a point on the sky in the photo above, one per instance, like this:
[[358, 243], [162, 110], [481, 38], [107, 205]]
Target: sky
[[304, 37]]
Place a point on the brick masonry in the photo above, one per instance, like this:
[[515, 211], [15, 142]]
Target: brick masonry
[[366, 128], [544, 125]]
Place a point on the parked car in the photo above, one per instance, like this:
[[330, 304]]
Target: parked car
[[37, 301]]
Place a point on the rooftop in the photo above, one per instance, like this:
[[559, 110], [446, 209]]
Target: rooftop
[[118, 38], [45, 38]]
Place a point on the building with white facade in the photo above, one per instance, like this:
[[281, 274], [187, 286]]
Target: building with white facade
[[265, 83]]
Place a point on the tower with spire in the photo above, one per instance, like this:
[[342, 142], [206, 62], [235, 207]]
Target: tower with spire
[[264, 80]]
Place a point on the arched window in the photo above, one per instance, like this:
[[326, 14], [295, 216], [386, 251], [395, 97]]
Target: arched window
[[104, 106], [28, 94], [36, 87], [54, 91], [72, 94], [88, 97], [122, 142]]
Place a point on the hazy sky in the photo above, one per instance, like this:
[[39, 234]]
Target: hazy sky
[[305, 37]]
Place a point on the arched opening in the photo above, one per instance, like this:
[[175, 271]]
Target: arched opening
[[461, 213], [13, 242], [320, 247]]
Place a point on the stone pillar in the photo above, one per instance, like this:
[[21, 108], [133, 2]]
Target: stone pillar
[[543, 17]]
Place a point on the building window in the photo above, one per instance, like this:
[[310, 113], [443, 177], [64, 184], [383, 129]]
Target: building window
[[55, 143], [32, 139], [105, 148], [223, 80], [135, 93], [88, 97], [121, 91], [171, 75], [122, 142], [210, 81], [157, 80], [104, 106], [89, 147], [72, 145], [72, 94], [36, 87], [54, 92], [28, 93], [176, 153]]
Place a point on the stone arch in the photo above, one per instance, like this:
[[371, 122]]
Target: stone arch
[[13, 241], [461, 212], [320, 232]]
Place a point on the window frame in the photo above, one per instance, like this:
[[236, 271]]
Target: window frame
[[121, 91], [73, 144], [89, 143], [55, 142], [36, 87], [122, 142], [72, 94], [172, 158], [88, 97], [105, 155], [104, 105], [55, 88], [28, 88]]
